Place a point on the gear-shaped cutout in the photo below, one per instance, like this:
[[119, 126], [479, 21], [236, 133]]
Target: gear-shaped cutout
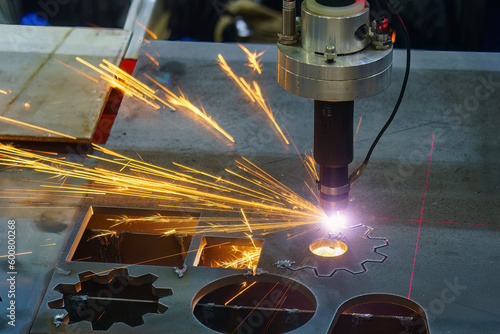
[[107, 299], [362, 249]]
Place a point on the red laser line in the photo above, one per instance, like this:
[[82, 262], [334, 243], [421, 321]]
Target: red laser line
[[436, 221], [421, 216]]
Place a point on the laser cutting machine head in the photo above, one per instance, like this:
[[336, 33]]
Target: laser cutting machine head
[[333, 55]]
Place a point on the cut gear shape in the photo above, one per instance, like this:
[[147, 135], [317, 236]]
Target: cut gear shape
[[105, 300], [362, 249]]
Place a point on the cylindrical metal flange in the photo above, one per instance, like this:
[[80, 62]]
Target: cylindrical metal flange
[[354, 71], [348, 34], [350, 77]]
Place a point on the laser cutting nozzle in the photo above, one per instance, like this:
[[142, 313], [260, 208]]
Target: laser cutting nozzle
[[333, 189]]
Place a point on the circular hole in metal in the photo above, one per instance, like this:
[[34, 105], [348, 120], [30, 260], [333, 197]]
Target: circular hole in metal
[[388, 314], [258, 304], [328, 247]]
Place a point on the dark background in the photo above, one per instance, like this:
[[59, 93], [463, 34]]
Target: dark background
[[460, 25]]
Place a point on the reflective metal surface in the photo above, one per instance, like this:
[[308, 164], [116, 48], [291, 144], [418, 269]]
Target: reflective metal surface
[[319, 31], [455, 277], [350, 77]]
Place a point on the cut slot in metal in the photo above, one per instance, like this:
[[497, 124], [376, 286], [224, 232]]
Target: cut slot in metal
[[134, 236]]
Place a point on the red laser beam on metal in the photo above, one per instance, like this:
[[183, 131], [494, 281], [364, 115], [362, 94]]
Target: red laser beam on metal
[[421, 216], [436, 221]]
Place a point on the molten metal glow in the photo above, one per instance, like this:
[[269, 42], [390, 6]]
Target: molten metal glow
[[329, 251], [328, 247], [3, 92], [253, 62], [254, 93]]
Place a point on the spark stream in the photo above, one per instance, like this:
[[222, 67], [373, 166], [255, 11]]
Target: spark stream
[[269, 204]]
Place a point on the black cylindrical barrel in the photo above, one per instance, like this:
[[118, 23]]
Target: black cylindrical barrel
[[333, 151], [333, 133], [336, 3]]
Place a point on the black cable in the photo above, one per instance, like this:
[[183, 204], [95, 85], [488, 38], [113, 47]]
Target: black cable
[[357, 173], [376, 5]]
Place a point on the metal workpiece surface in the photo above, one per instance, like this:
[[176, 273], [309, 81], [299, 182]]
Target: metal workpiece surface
[[40, 91], [450, 110]]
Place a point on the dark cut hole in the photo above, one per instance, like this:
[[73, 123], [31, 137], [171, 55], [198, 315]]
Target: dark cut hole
[[379, 313], [104, 238], [106, 299], [259, 304]]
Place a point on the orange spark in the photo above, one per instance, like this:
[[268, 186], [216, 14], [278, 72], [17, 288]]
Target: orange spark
[[17, 254], [151, 260], [3, 92], [253, 62], [394, 36], [263, 298], [239, 293], [9, 120], [103, 234], [120, 79], [357, 129], [310, 164], [151, 57], [152, 34], [272, 207], [254, 93], [37, 207], [182, 101], [242, 257], [246, 222], [78, 71]]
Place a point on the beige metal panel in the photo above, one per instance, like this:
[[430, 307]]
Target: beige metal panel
[[23, 51], [48, 94]]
